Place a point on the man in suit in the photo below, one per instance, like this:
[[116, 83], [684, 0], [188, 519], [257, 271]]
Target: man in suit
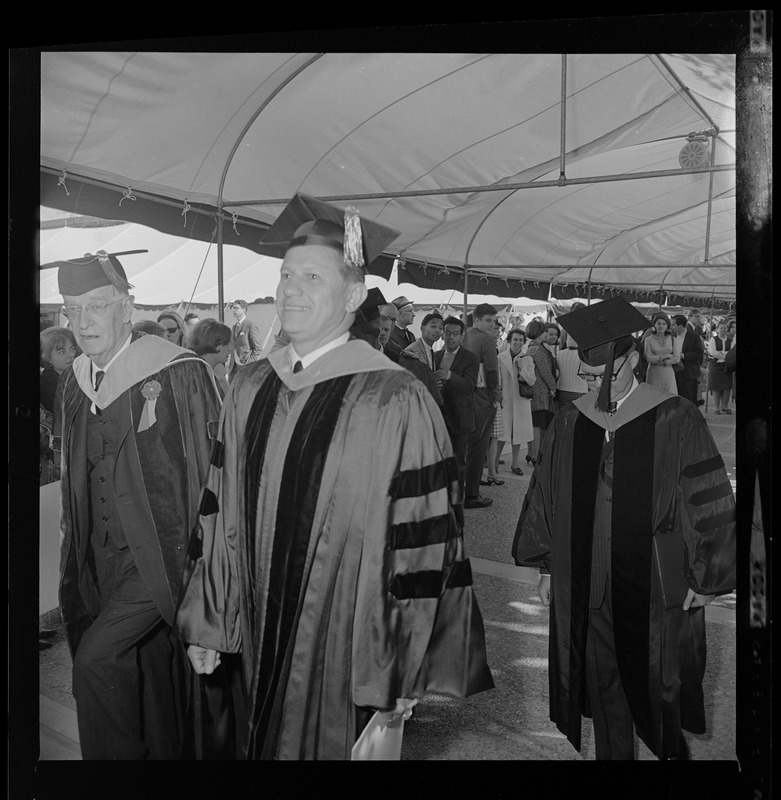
[[695, 320], [456, 374], [692, 353], [132, 422], [479, 339], [401, 336], [388, 316], [418, 357], [247, 344]]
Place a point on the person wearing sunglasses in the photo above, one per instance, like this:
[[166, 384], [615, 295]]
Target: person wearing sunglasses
[[174, 327], [630, 518]]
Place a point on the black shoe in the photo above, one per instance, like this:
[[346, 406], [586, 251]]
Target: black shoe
[[44, 645], [46, 633], [477, 502], [700, 402]]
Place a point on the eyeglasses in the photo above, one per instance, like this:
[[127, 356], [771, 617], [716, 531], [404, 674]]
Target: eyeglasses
[[96, 309], [590, 377], [171, 330]]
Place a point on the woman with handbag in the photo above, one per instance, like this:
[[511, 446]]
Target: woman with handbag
[[517, 371]]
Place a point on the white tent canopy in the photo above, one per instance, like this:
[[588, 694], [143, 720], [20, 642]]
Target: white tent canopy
[[474, 158], [183, 272]]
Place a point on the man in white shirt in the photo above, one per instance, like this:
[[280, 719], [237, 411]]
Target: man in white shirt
[[332, 507]]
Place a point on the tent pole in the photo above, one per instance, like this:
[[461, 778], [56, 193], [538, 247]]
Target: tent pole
[[466, 289], [563, 115], [220, 290], [502, 187], [589, 285], [710, 200]]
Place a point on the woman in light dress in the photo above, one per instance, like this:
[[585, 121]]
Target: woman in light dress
[[516, 410], [660, 354]]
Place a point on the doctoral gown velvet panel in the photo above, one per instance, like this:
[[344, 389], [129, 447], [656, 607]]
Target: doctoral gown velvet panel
[[332, 555], [159, 473], [661, 652]]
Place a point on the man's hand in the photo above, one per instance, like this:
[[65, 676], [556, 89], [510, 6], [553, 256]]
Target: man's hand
[[442, 374], [204, 661], [404, 706], [543, 589], [694, 600]]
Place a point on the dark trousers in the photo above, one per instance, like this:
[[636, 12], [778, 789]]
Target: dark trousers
[[459, 442], [128, 698], [612, 716], [613, 727], [477, 447], [687, 387]]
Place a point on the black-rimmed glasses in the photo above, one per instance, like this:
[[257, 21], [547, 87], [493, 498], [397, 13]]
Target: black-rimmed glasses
[[590, 377]]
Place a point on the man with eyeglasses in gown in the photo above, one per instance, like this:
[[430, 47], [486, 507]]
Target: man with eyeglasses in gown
[[630, 518], [133, 420]]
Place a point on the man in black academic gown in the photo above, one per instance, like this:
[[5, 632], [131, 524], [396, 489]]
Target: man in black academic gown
[[630, 518], [132, 422]]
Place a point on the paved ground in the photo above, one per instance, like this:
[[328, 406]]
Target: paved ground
[[511, 721]]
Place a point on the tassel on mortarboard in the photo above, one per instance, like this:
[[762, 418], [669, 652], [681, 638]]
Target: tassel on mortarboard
[[603, 397], [116, 279], [353, 239]]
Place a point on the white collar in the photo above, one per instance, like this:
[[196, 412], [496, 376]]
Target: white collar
[[315, 354]]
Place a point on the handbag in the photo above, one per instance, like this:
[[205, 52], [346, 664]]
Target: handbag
[[524, 388]]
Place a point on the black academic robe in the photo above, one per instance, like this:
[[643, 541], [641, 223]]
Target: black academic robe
[[332, 555], [668, 476]]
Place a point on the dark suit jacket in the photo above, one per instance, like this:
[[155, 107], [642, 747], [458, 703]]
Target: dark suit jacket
[[459, 411], [692, 353], [400, 338], [247, 344], [415, 358]]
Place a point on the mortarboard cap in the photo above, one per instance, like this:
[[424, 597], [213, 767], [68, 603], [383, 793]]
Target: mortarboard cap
[[370, 308], [81, 275], [603, 332], [307, 221]]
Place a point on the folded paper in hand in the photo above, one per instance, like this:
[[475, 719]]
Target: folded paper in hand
[[379, 741]]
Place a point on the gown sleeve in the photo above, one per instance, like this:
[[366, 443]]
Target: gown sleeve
[[208, 614], [533, 534], [706, 510], [418, 627]]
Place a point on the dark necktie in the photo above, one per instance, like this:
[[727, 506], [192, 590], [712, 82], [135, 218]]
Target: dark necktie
[[298, 366], [611, 407], [98, 379]]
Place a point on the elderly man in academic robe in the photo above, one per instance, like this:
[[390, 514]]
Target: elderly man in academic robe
[[332, 556], [132, 427], [630, 518]]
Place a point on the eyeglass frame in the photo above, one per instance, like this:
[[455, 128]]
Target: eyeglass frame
[[590, 377], [96, 309]]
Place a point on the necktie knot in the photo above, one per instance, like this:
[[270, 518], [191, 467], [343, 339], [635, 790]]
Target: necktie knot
[[99, 375], [298, 366]]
